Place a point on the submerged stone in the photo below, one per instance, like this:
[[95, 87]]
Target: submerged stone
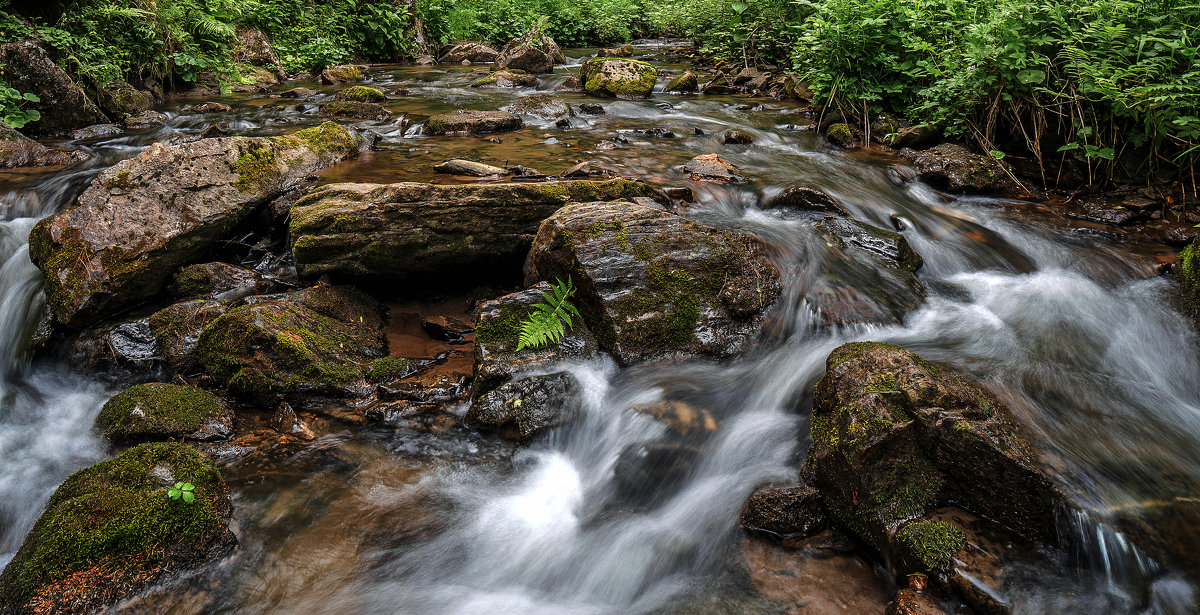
[[466, 122], [111, 530]]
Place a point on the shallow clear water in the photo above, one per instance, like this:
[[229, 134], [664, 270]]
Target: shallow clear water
[[1071, 328]]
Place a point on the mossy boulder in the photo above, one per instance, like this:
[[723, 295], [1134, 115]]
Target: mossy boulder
[[361, 93], [894, 437], [505, 398], [111, 530], [508, 79], [317, 342], [466, 122], [119, 99], [620, 78], [160, 411], [408, 231], [930, 545], [355, 109], [840, 134], [654, 284], [685, 83], [63, 105], [345, 73], [143, 218], [533, 52], [176, 330], [17, 150], [955, 168], [1188, 276]]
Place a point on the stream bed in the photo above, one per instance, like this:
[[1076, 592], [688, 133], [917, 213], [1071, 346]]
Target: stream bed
[[1071, 326]]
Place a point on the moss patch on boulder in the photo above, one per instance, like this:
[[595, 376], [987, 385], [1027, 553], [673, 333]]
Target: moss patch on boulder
[[930, 545], [159, 410], [111, 529], [629, 79], [361, 93]]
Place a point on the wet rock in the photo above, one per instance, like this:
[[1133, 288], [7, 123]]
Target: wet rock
[[821, 574], [1187, 274], [533, 52], [803, 198], [176, 329], [158, 411], [63, 105], [145, 119], [681, 418], [686, 83], [17, 150], [893, 437], [346, 73], [465, 122], [746, 75], [735, 137], [117, 351], [360, 93], [406, 231], [868, 275], [302, 93], [545, 106], [511, 393], [119, 99], [144, 217], [355, 110], [628, 79], [717, 85], [217, 281], [913, 136], [711, 168], [319, 341], [784, 513], [653, 284], [1100, 211], [952, 167], [508, 79], [287, 422], [588, 168], [525, 172], [120, 511], [523, 408], [591, 109], [570, 85], [211, 107], [910, 602], [449, 329], [624, 51], [471, 168], [470, 51], [840, 134], [98, 131]]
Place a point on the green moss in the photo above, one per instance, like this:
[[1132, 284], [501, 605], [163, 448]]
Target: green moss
[[257, 170], [596, 82], [111, 526], [66, 265], [883, 383], [329, 138], [502, 332], [361, 93], [389, 368], [120, 181], [348, 72], [931, 544], [840, 134], [156, 410], [848, 351], [193, 281]]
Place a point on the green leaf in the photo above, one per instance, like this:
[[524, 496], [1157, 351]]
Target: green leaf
[[997, 154], [1031, 75], [739, 7], [189, 497]]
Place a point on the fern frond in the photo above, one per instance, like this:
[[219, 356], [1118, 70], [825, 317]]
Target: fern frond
[[548, 322]]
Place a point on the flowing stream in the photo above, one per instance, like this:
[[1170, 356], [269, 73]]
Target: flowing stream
[[1069, 325]]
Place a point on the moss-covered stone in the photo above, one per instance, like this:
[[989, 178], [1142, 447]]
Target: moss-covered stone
[[361, 93], [144, 217], [467, 122], [930, 545], [111, 529], [513, 78], [159, 411], [316, 343], [389, 368], [685, 83], [840, 134], [629, 79], [1188, 274], [335, 75]]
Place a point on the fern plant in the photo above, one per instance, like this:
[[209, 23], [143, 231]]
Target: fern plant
[[549, 321]]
